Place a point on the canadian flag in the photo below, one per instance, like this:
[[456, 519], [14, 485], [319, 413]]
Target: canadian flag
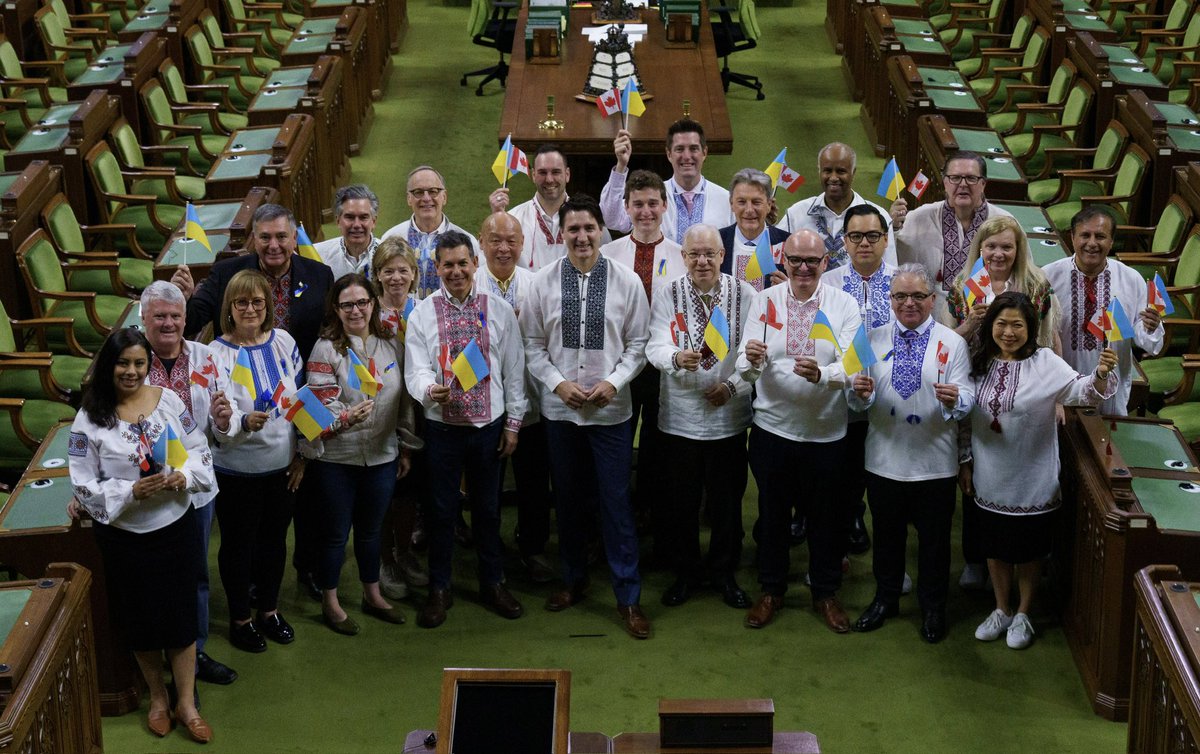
[[609, 102], [518, 162], [790, 179], [920, 182]]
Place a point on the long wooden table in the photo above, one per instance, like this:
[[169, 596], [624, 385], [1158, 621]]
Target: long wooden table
[[670, 75]]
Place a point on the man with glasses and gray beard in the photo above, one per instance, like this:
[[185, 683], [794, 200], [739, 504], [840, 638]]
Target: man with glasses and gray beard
[[426, 195]]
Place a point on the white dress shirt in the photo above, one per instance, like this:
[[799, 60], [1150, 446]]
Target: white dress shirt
[[668, 259], [333, 253]]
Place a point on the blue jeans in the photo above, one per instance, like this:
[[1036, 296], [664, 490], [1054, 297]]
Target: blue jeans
[[357, 495], [593, 462], [452, 451], [204, 519]]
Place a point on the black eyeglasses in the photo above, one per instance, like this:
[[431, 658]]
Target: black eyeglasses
[[810, 262], [900, 298], [856, 237], [258, 304], [970, 180], [349, 306], [432, 193]]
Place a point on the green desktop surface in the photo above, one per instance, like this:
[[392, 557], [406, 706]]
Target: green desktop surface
[[1174, 504]]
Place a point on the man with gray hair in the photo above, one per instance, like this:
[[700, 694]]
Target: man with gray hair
[[750, 203], [825, 213], [913, 400], [426, 195], [355, 209], [186, 368]]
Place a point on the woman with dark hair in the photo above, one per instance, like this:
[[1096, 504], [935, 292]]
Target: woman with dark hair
[[357, 370], [258, 476], [136, 456], [1013, 427]]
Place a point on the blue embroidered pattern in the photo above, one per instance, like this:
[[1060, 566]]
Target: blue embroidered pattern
[[594, 319], [908, 348], [872, 298], [835, 244]]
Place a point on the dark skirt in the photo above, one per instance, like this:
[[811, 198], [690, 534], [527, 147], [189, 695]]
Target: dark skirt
[[1015, 538], [152, 581]]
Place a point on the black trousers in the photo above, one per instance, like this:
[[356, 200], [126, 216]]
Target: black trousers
[[929, 506], [805, 474], [856, 474], [531, 472], [714, 471], [254, 513], [649, 491]]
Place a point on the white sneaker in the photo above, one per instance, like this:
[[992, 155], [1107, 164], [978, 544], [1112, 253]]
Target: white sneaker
[[906, 587], [996, 624], [1020, 633], [974, 576], [391, 583]]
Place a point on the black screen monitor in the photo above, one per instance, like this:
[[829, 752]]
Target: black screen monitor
[[491, 711]]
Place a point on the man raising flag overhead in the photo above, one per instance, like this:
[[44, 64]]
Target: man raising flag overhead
[[509, 161]]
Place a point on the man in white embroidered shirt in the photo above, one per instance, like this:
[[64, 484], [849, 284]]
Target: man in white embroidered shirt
[[464, 361], [799, 425], [426, 195], [585, 324], [355, 209]]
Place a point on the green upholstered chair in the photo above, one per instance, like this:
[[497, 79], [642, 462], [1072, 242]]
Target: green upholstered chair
[[1145, 33], [1163, 239], [75, 56], [94, 314], [269, 19], [1008, 47], [16, 83], [71, 241], [1029, 105], [252, 60], [153, 221], [1174, 61], [38, 375], [162, 176], [93, 28], [736, 30], [1029, 145], [1121, 192], [210, 69], [1053, 183], [29, 421], [167, 130], [957, 29], [181, 93], [991, 85]]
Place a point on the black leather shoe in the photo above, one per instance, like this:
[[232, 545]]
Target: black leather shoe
[[874, 616], [933, 627], [247, 638], [275, 628], [436, 605], [211, 671], [798, 530], [308, 585], [733, 595], [860, 540], [678, 593], [500, 601]]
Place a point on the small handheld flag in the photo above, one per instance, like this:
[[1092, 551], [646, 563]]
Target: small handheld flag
[[444, 363], [716, 333], [359, 377], [770, 318], [678, 327], [509, 161], [892, 183], [859, 355], [790, 179], [470, 367], [609, 102], [943, 358], [978, 285], [169, 450], [920, 182], [823, 330], [1096, 325], [242, 374], [775, 169], [1158, 296], [762, 262], [308, 414], [193, 230], [631, 100], [1118, 326], [304, 246]]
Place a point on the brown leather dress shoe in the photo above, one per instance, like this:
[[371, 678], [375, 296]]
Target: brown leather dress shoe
[[197, 729], [764, 610], [500, 600], [835, 617], [565, 596], [434, 612], [159, 722], [635, 621]]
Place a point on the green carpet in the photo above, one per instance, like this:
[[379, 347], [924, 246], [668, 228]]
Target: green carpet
[[885, 691]]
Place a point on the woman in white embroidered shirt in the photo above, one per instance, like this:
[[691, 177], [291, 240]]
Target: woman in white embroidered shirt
[[1013, 427], [135, 457]]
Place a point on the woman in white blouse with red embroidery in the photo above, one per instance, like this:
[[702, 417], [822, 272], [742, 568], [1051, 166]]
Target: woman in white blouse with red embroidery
[[1013, 427]]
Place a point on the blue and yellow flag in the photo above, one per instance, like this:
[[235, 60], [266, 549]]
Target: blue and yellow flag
[[859, 355], [168, 449], [308, 414], [193, 229], [470, 367], [892, 183], [762, 263], [716, 333], [242, 373], [775, 169], [304, 246], [1117, 325], [359, 377], [631, 99], [823, 330]]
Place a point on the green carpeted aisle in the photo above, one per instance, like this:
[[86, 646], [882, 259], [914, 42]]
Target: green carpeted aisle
[[859, 693]]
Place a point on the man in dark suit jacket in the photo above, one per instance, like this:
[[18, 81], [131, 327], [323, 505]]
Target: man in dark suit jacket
[[750, 203], [300, 285]]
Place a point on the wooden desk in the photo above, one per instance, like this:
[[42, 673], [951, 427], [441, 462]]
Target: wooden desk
[[378, 60], [937, 139], [577, 743], [916, 90], [1170, 134], [314, 90], [1164, 700], [647, 743], [22, 198], [1121, 512], [1110, 70], [1065, 19], [670, 75], [281, 157], [169, 19], [836, 13], [54, 700], [122, 70], [36, 532], [227, 226]]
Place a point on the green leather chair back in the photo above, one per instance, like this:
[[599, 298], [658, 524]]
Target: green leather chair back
[[1060, 83], [125, 141], [1112, 143], [1172, 224], [106, 172], [1076, 108], [158, 110], [45, 271], [172, 81], [1187, 272], [749, 19], [1130, 174], [60, 221]]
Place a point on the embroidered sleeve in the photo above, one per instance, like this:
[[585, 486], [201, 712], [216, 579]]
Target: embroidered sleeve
[[104, 499]]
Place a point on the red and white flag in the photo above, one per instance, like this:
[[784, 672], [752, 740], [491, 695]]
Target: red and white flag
[[609, 102], [920, 182], [943, 358], [790, 179], [518, 162]]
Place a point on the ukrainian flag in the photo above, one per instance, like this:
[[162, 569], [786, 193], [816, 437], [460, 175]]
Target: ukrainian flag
[[304, 246], [308, 414], [359, 377], [823, 330], [892, 183], [193, 229], [859, 355], [762, 263], [470, 367], [631, 99], [168, 449], [1117, 326], [242, 374], [775, 169], [1159, 298], [716, 333]]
